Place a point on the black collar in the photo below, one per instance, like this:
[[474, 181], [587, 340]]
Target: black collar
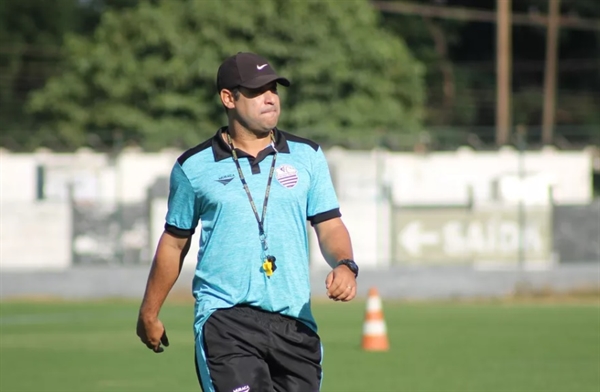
[[222, 151]]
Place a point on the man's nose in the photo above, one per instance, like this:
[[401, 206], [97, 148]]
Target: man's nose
[[269, 97]]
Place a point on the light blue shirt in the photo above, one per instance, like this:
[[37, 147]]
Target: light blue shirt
[[205, 186]]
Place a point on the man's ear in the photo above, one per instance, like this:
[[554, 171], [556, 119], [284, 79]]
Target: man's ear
[[227, 99]]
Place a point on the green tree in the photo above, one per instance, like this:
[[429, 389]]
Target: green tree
[[31, 38], [431, 41], [148, 73], [460, 59]]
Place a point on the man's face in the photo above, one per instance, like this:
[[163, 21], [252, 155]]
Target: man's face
[[256, 109]]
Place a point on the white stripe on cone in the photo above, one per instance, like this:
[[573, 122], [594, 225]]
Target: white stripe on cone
[[374, 328], [373, 304]]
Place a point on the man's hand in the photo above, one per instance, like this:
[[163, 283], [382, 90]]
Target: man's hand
[[341, 284], [165, 269], [152, 333]]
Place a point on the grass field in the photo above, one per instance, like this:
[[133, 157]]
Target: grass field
[[434, 347]]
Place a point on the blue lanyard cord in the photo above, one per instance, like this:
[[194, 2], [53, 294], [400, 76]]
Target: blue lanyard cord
[[259, 220]]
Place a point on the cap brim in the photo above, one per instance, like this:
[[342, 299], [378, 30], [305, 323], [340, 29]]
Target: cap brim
[[262, 80]]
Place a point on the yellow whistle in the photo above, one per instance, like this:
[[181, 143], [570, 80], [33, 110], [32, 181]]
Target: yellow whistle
[[268, 268]]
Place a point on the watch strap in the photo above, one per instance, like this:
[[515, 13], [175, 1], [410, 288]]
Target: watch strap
[[350, 264]]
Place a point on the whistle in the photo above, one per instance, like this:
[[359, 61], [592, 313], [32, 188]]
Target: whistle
[[269, 266]]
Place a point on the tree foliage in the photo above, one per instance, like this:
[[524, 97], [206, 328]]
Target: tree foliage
[[148, 73], [31, 39], [30, 34], [460, 59]]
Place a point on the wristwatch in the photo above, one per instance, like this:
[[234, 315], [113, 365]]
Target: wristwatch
[[351, 265]]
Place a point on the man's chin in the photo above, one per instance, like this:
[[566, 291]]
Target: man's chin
[[268, 128]]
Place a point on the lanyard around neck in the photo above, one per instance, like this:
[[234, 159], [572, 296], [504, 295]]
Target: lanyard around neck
[[259, 220]]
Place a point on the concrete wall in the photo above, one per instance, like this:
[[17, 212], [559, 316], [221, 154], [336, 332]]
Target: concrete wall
[[36, 233], [35, 236], [17, 177], [434, 178], [369, 227], [442, 178]]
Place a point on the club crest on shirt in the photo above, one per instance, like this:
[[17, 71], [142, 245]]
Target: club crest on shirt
[[287, 175]]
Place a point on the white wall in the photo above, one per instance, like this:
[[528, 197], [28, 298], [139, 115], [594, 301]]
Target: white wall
[[17, 176], [442, 178], [35, 235], [435, 178], [136, 171], [366, 182], [157, 224], [368, 223]]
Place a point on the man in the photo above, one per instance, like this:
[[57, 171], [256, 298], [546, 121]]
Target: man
[[253, 187]]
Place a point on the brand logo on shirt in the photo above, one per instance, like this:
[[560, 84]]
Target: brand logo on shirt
[[225, 179], [245, 388], [287, 175]]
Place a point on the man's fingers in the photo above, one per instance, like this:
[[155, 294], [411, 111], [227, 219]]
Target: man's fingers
[[140, 331], [164, 339], [158, 349], [351, 295], [335, 288], [153, 335], [341, 291], [329, 280], [345, 293]]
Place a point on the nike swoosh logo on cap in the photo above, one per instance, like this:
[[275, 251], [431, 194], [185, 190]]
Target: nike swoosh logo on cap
[[259, 67]]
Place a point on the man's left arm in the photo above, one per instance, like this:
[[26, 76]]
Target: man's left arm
[[335, 244]]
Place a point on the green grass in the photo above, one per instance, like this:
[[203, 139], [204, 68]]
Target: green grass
[[434, 347]]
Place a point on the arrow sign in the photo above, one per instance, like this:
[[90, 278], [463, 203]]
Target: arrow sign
[[413, 238]]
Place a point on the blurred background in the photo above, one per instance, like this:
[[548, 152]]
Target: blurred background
[[463, 135], [463, 138]]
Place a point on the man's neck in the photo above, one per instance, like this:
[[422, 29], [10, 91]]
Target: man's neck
[[248, 141]]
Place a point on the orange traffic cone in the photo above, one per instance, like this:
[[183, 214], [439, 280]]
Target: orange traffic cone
[[374, 329]]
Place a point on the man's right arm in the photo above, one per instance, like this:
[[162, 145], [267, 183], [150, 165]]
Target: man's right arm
[[164, 272], [183, 214]]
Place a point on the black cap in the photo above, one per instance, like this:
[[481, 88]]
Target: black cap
[[247, 70]]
